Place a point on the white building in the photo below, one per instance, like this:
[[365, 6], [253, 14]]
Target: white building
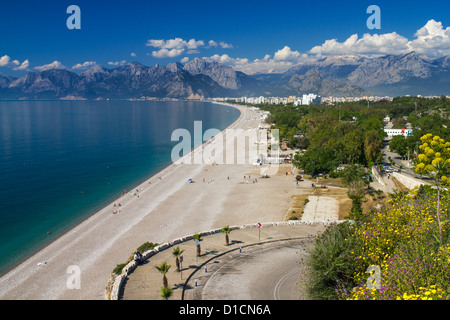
[[308, 99], [397, 132]]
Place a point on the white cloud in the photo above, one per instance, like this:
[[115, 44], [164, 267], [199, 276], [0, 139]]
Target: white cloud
[[117, 63], [212, 43], [282, 60], [165, 53], [184, 60], [23, 66], [286, 54], [4, 61], [222, 44], [193, 44], [175, 47], [225, 45], [84, 65], [54, 65], [133, 54], [431, 40], [368, 45], [176, 43]]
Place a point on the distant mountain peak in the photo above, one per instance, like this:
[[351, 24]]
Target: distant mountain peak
[[175, 67], [345, 75], [224, 75], [95, 69]]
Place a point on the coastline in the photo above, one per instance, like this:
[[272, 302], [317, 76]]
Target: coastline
[[161, 210], [14, 282], [108, 202], [105, 203]]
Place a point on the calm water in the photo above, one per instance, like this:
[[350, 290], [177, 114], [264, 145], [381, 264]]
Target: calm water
[[61, 161]]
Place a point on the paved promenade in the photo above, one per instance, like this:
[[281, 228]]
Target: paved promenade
[[258, 264]]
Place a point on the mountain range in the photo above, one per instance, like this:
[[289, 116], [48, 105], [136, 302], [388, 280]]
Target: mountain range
[[391, 75]]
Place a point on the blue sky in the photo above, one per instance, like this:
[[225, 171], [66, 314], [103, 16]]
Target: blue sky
[[252, 36]]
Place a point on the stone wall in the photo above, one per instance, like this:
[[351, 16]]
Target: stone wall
[[408, 181], [376, 175], [129, 268]]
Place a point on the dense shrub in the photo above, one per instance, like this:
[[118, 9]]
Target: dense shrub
[[402, 240]]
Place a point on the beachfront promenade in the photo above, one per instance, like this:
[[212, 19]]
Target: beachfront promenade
[[259, 263]]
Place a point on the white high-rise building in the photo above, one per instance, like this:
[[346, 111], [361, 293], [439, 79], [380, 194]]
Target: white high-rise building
[[308, 99]]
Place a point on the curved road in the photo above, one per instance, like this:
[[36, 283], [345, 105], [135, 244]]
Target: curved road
[[263, 272]]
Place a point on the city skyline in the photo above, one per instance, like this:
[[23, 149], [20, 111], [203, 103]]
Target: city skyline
[[252, 37]]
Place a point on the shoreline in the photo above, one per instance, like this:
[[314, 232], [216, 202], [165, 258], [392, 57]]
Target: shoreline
[[62, 242], [87, 214]]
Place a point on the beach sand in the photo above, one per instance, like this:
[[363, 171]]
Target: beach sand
[[161, 210]]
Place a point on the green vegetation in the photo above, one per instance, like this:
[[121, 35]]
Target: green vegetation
[[356, 179], [227, 231], [199, 238], [331, 135], [146, 246], [163, 269], [402, 249], [118, 269], [401, 241], [435, 161], [401, 145], [177, 252], [352, 132], [166, 293], [142, 248]]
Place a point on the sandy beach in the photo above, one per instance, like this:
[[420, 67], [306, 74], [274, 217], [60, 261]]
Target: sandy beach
[[162, 208]]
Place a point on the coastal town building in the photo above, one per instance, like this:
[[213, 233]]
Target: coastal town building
[[398, 132], [308, 99]]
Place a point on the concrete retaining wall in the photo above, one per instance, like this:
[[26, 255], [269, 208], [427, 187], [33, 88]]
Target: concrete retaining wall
[[409, 182], [129, 268], [376, 175]]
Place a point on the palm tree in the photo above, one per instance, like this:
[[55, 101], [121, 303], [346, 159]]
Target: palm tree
[[177, 252], [198, 237], [166, 293], [164, 268], [227, 231]]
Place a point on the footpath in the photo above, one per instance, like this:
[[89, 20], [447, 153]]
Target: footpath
[[145, 281]]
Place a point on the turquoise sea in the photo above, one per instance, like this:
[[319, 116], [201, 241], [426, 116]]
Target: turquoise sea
[[61, 161]]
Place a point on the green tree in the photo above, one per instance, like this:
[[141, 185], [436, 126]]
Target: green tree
[[316, 160], [227, 231], [199, 238], [399, 145], [163, 269], [435, 162], [373, 145], [166, 293], [355, 178], [177, 252], [353, 147]]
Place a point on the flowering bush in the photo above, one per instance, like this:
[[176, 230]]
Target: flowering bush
[[402, 241]]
